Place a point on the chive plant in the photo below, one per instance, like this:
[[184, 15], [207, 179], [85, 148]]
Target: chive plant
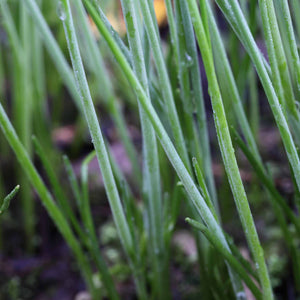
[[20, 42], [176, 169], [151, 171], [6, 201]]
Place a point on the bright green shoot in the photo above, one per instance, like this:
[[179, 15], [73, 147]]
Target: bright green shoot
[[6, 201]]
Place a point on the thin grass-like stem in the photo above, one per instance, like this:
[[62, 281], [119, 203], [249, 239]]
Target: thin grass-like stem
[[92, 120], [238, 21], [180, 168], [46, 198], [152, 186], [227, 151], [164, 82]]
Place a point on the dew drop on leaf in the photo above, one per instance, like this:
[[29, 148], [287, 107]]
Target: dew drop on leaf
[[61, 11], [241, 295], [188, 60]]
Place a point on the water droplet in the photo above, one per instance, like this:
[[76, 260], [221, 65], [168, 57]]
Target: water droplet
[[188, 60], [61, 12], [241, 295]]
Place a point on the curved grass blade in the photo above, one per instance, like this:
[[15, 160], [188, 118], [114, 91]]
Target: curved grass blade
[[203, 187], [106, 89], [152, 187], [265, 178], [196, 83], [227, 151], [233, 13], [86, 214], [191, 189], [98, 141], [47, 199], [227, 82], [164, 82], [233, 262], [6, 201]]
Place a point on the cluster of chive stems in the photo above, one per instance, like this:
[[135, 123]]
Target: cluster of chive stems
[[166, 92]]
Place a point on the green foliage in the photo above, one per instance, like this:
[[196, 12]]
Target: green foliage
[[6, 201], [172, 173]]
